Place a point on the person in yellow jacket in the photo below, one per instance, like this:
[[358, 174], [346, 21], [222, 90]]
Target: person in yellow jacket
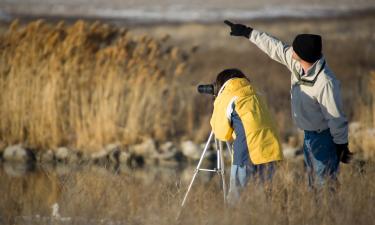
[[241, 115]]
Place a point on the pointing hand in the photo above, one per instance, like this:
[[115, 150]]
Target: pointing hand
[[239, 29]]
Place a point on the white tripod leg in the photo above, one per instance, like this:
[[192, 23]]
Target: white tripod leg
[[197, 169], [229, 149]]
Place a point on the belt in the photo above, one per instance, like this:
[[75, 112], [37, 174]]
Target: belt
[[316, 131]]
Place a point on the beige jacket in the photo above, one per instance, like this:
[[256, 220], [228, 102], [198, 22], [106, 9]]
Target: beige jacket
[[316, 103]]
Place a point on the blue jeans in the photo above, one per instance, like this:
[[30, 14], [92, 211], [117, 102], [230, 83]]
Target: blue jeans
[[241, 175], [320, 158]]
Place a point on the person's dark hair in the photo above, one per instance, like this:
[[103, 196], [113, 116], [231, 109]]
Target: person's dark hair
[[227, 74]]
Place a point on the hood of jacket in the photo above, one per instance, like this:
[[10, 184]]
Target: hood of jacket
[[237, 87]]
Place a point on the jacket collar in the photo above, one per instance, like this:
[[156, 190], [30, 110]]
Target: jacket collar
[[309, 78], [314, 70]]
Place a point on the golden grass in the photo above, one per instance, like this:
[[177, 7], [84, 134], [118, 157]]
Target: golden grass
[[363, 133], [87, 85], [127, 198], [367, 102]]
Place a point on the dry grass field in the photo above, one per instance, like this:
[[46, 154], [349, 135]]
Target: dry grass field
[[97, 196], [87, 84]]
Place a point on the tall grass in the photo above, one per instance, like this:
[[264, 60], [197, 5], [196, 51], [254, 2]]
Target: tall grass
[[362, 134], [367, 101], [90, 196], [88, 84]]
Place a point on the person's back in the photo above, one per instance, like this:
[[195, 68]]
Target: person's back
[[256, 144]]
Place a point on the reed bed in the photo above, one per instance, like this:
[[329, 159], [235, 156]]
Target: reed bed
[[86, 85]]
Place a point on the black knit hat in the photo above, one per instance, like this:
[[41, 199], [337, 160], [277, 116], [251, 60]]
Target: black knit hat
[[308, 47]]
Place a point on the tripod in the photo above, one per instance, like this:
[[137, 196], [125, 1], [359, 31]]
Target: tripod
[[219, 163]]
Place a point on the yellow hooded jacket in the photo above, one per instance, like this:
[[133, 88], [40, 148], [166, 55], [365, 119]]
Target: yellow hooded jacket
[[261, 135]]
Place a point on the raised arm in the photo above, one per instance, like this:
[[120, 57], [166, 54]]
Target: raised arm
[[274, 48]]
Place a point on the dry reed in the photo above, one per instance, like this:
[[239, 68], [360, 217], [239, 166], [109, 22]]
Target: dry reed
[[87, 85], [363, 132]]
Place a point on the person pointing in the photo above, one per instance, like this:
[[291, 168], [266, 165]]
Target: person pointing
[[316, 100]]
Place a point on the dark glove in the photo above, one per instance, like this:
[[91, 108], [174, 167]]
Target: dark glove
[[239, 29], [343, 153]]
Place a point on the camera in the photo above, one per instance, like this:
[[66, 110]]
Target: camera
[[207, 89]]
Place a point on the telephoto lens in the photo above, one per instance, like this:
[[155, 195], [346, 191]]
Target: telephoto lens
[[206, 89]]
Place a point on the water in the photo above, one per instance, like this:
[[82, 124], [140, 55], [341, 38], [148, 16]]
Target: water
[[182, 10], [63, 194], [33, 193]]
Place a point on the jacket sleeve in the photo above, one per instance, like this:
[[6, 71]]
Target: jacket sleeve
[[274, 48], [331, 106]]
